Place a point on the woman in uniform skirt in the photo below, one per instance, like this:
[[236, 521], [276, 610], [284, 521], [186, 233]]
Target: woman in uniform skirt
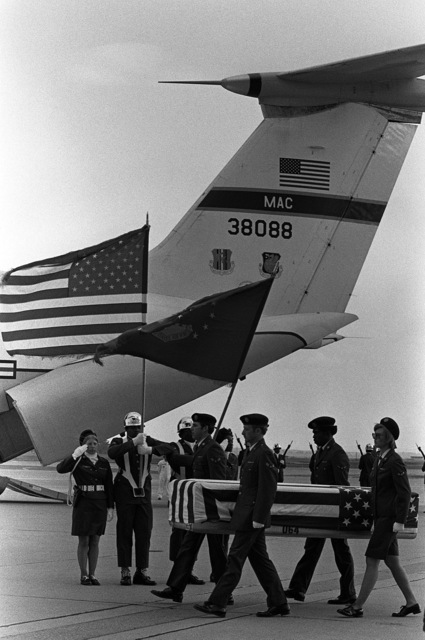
[[390, 505], [93, 502]]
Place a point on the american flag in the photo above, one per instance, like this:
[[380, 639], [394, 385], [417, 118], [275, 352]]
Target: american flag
[[71, 303], [304, 174], [317, 508]]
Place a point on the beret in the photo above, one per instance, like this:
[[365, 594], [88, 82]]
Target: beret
[[392, 427], [255, 419], [204, 418]]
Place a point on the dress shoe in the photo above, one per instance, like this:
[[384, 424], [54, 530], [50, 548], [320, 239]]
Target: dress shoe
[[230, 599], [341, 600], [207, 607], [125, 580], [141, 578], [94, 581], [85, 580], [405, 610], [195, 580], [169, 594], [295, 595], [279, 610], [350, 612]]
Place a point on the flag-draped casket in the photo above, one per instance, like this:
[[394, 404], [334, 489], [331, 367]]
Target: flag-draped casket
[[320, 511]]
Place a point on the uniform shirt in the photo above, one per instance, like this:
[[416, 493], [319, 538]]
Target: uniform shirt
[[330, 466], [390, 488], [87, 473], [208, 462]]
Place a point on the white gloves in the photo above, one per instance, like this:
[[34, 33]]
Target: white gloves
[[79, 451], [144, 450], [257, 525], [398, 526], [140, 439], [110, 515]]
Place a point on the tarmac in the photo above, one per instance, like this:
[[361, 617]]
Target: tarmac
[[42, 599]]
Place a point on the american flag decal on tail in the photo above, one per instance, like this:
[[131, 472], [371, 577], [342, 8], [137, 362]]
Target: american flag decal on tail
[[304, 174]]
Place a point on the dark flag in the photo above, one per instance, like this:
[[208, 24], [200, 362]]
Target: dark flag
[[71, 303], [208, 339]]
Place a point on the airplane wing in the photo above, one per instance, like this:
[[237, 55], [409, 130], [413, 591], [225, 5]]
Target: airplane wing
[[399, 64], [60, 404]]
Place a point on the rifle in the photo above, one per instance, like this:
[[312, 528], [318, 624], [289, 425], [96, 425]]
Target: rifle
[[240, 444], [311, 448], [359, 448], [423, 454], [286, 450]]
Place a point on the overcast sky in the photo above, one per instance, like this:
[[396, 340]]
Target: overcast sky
[[90, 142]]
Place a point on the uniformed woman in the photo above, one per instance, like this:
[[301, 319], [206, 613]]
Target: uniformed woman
[[390, 505], [93, 502]]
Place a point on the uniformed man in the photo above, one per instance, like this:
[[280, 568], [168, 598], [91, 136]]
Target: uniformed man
[[132, 495], [365, 465], [250, 517], [328, 465], [183, 446], [208, 461]]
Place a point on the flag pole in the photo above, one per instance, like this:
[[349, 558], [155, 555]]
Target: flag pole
[[144, 307], [226, 406]]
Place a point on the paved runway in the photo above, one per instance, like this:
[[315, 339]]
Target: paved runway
[[41, 597]]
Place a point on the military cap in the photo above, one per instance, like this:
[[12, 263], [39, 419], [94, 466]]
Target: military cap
[[204, 418], [132, 419], [184, 423], [324, 423], [369, 447], [255, 419], [392, 427], [85, 434]]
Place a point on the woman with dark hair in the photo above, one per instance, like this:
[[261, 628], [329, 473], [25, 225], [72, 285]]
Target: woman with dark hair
[[93, 502], [390, 504]]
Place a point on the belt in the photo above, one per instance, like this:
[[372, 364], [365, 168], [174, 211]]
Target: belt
[[91, 487]]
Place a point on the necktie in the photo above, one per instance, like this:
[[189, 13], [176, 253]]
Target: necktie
[[195, 448]]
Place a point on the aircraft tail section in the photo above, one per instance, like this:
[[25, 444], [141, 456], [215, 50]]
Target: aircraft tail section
[[301, 200]]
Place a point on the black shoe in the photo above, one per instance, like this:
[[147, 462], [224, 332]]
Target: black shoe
[[141, 578], [350, 612], [125, 580], [230, 599], [405, 610], [341, 600], [295, 595], [279, 610], [169, 594], [85, 580], [210, 608], [94, 581], [195, 580]]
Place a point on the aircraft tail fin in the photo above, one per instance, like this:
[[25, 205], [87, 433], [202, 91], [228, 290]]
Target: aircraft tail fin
[[301, 200]]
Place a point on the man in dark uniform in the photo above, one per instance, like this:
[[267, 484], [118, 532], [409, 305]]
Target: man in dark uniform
[[183, 446], [208, 461], [329, 465], [250, 517], [280, 461], [132, 495], [365, 465]]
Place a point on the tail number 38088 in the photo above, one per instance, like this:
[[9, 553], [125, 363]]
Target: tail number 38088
[[260, 228]]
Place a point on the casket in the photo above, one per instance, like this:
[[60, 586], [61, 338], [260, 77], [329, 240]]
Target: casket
[[304, 510]]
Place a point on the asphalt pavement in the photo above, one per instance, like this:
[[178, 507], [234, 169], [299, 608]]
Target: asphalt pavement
[[41, 597]]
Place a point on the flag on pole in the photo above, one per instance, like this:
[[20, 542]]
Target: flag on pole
[[71, 303], [209, 339]]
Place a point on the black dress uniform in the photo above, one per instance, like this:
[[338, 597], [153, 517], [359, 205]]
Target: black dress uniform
[[94, 480], [134, 512], [207, 462], [328, 466], [258, 483]]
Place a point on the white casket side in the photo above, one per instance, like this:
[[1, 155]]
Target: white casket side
[[304, 510]]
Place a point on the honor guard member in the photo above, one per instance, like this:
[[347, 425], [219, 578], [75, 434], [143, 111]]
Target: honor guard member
[[183, 446], [208, 461], [365, 466], [132, 494], [250, 518], [329, 465]]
